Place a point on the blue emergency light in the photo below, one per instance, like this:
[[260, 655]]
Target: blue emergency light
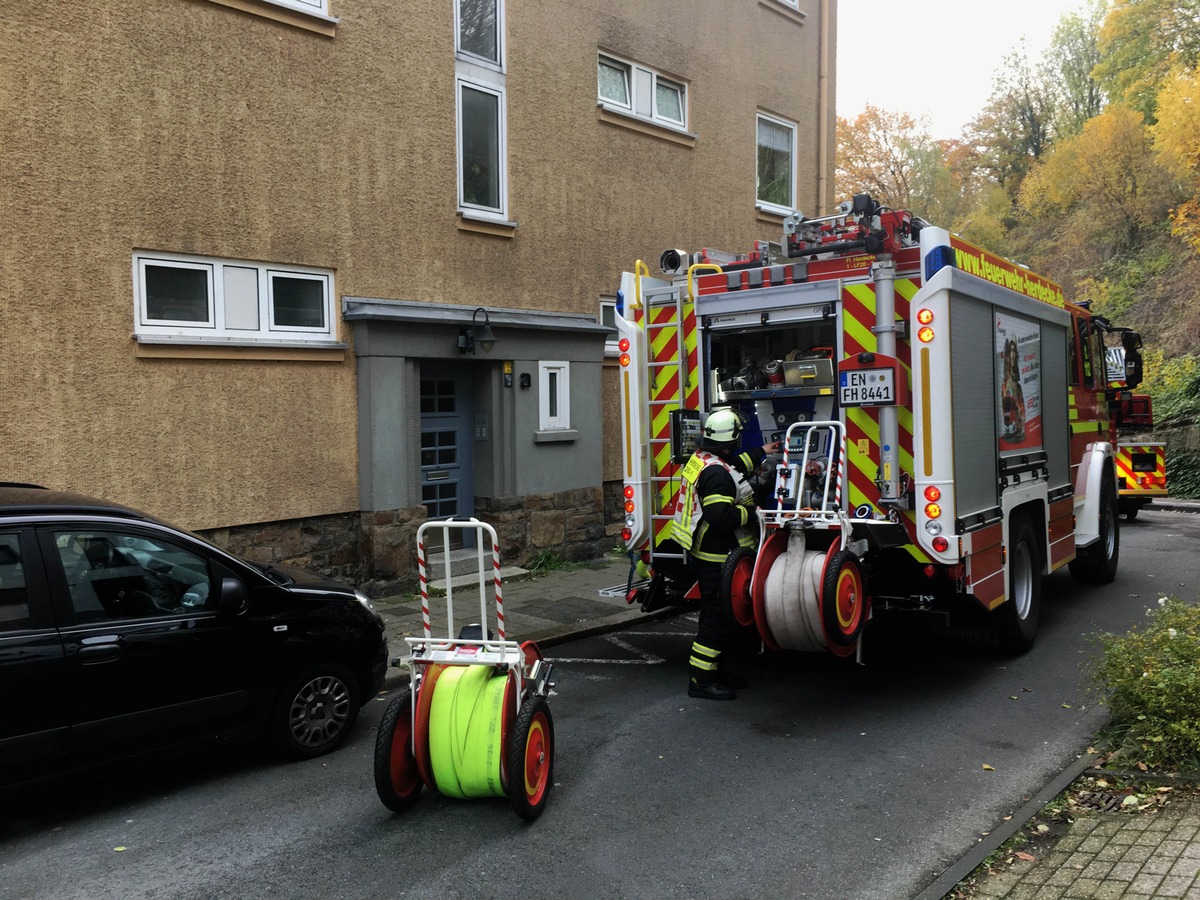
[[937, 259]]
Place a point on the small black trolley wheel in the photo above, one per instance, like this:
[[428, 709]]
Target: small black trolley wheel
[[397, 780], [530, 755]]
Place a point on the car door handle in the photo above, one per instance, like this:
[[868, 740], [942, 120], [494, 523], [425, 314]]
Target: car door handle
[[102, 653]]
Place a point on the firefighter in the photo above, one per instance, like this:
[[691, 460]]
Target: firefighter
[[714, 514]]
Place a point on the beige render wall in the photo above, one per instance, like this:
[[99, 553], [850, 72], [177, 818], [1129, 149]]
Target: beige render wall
[[186, 126], [598, 196]]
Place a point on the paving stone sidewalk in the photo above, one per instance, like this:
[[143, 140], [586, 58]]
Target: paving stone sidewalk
[[1112, 855]]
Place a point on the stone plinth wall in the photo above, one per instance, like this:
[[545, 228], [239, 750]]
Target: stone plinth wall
[[325, 544], [377, 551], [567, 524]]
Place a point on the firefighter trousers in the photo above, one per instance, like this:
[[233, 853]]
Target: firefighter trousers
[[716, 623]]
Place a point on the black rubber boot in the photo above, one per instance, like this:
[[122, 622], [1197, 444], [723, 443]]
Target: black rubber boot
[[710, 690]]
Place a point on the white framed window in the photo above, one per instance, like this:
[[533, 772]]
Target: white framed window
[[479, 31], [794, 4], [481, 116], [776, 164], [554, 395], [482, 149], [197, 298], [640, 91], [608, 318]]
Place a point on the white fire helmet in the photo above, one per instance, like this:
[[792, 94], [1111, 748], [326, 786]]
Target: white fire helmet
[[723, 426]]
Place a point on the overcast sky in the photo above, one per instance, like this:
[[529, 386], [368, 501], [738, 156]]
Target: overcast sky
[[934, 57]]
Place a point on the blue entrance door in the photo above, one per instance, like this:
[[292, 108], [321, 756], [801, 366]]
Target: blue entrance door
[[446, 483]]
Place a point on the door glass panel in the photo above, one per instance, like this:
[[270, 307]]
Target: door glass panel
[[113, 575], [437, 396], [14, 596], [441, 500]]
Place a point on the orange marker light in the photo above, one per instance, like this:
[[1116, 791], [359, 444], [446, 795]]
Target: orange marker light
[[925, 334], [629, 507], [624, 359], [933, 510]]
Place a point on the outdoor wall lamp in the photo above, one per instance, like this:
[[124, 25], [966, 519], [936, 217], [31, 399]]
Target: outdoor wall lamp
[[468, 336]]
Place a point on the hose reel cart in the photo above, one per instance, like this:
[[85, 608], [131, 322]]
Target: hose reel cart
[[474, 720]]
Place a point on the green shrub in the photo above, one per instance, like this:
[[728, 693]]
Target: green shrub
[[1183, 473], [1150, 678]]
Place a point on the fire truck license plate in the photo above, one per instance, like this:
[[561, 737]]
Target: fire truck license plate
[[867, 387]]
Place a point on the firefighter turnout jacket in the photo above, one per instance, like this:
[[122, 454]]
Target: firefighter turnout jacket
[[715, 507]]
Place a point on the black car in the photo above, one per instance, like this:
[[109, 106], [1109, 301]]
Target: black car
[[120, 635]]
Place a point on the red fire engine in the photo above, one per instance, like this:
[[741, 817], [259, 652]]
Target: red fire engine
[[948, 426]]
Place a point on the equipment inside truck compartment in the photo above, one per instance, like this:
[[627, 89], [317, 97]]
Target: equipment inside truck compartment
[[773, 376]]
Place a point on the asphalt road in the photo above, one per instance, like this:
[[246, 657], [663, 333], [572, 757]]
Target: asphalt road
[[825, 779]]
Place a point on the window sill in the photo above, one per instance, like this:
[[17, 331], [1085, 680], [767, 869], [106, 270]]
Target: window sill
[[611, 116], [288, 15], [182, 348], [556, 436], [770, 214], [495, 227], [788, 12]]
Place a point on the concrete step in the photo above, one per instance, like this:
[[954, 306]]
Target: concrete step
[[462, 562], [470, 581]]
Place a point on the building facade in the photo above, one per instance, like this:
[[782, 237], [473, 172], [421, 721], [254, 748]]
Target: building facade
[[299, 274]]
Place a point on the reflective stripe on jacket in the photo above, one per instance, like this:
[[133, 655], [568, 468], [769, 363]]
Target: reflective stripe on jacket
[[688, 527]]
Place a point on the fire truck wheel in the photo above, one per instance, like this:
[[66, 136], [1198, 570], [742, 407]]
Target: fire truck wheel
[[843, 599], [1019, 614], [1097, 563], [1131, 513], [531, 758], [736, 572], [397, 781]]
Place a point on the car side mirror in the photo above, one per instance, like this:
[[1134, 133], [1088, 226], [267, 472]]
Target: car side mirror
[[233, 596]]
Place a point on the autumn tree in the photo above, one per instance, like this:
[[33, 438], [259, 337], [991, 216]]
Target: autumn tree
[[1102, 192], [878, 152], [1073, 54], [1140, 43], [1015, 128], [1177, 137]]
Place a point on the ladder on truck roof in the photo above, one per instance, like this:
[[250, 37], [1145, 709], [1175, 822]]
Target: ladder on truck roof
[[673, 375]]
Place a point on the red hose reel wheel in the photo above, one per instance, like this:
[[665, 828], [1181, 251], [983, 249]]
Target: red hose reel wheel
[[736, 574], [772, 548], [843, 601], [506, 720], [421, 728]]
